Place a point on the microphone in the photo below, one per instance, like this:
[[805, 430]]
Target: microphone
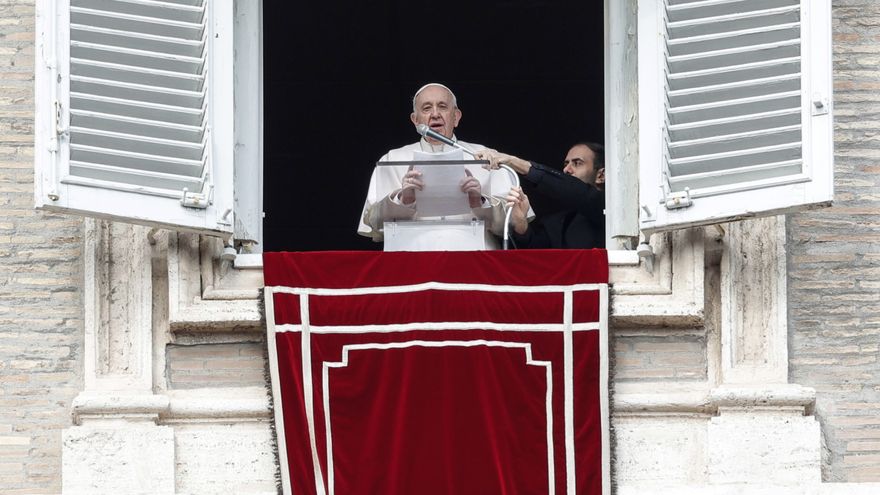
[[426, 131]]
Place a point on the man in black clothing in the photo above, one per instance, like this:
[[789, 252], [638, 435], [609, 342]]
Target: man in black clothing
[[580, 188]]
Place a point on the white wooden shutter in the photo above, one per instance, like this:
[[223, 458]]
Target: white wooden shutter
[[134, 111], [735, 109]]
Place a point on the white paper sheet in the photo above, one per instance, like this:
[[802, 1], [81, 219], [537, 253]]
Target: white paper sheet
[[442, 194]]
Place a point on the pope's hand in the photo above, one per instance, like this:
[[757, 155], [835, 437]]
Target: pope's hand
[[411, 183], [471, 186]]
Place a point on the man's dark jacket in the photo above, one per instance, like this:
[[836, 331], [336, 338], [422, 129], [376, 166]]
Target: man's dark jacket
[[581, 223]]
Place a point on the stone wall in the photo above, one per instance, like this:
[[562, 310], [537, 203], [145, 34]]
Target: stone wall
[[240, 364], [41, 323], [644, 357], [834, 262]]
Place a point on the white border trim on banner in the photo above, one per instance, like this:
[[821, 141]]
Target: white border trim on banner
[[568, 380], [308, 392], [530, 361], [443, 325], [397, 289]]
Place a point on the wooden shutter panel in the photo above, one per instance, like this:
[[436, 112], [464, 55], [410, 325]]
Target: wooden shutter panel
[[138, 108], [739, 133]]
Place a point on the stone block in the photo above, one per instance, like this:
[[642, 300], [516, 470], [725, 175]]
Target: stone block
[[770, 447], [225, 458], [118, 458], [662, 450]]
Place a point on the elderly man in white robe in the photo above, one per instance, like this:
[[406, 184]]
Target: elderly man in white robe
[[392, 193]]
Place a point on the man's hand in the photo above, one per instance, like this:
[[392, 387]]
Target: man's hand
[[471, 186], [497, 158], [411, 183], [491, 155], [519, 202]]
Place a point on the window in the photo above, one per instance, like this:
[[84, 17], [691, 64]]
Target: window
[[151, 112], [338, 84]]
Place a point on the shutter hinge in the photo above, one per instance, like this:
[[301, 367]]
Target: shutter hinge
[[225, 219], [194, 200], [59, 131], [820, 104], [678, 200]]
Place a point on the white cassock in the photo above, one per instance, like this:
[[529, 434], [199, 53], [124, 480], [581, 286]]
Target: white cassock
[[382, 204]]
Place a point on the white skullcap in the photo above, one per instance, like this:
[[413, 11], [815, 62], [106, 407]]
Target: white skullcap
[[454, 99]]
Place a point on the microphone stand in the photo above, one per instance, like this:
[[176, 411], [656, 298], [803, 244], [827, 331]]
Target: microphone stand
[[515, 178]]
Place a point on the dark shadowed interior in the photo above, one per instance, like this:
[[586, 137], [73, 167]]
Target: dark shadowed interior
[[339, 78]]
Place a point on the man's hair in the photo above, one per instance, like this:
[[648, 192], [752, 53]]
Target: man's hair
[[426, 86], [597, 149]]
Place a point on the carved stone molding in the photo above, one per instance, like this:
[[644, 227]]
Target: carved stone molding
[[238, 404], [754, 328], [205, 293], [670, 293], [118, 301]]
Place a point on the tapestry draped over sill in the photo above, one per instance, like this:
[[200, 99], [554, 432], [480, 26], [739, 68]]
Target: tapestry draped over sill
[[440, 372]]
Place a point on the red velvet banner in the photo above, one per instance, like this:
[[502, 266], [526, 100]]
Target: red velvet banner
[[440, 372]]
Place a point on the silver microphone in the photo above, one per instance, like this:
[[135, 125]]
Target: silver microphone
[[426, 131]]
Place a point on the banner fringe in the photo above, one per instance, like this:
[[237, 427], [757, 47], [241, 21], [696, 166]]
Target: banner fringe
[[267, 376]]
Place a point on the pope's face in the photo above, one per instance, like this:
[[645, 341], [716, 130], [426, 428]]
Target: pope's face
[[434, 108]]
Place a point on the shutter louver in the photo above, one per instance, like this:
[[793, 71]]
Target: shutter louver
[[733, 106], [138, 95]]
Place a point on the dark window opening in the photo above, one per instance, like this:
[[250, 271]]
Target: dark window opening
[[338, 83]]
